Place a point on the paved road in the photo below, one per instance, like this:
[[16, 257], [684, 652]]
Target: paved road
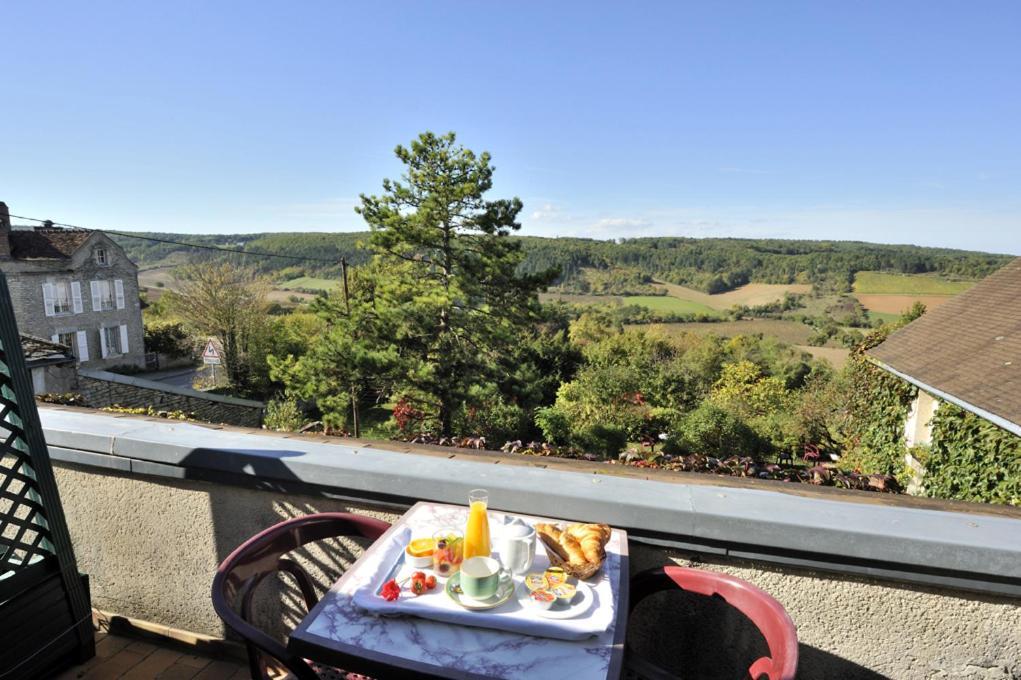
[[178, 377]]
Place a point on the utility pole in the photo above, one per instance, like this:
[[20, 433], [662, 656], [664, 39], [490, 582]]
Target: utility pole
[[355, 427], [343, 271]]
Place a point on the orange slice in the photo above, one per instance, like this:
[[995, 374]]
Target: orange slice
[[422, 547]]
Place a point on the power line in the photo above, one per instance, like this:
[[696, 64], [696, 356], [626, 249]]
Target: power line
[[200, 246]]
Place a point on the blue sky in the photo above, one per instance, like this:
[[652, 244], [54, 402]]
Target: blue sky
[[892, 122]]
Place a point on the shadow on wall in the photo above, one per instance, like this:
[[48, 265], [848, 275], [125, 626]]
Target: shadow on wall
[[237, 514], [694, 636]]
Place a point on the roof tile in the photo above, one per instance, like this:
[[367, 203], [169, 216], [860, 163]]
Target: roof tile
[[44, 243], [970, 347]]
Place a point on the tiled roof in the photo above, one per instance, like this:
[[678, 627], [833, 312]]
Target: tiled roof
[[36, 349], [969, 348], [46, 244]]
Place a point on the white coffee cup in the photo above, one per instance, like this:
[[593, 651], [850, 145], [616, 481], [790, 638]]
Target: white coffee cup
[[516, 547]]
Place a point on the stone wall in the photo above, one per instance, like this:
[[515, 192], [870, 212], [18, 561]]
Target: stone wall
[[101, 389], [55, 378], [151, 545]]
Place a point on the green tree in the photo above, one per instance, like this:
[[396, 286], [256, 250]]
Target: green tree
[[353, 354], [225, 302], [713, 431], [442, 300]]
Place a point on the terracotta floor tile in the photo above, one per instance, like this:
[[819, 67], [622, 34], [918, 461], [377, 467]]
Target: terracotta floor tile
[[116, 666], [179, 671], [154, 664], [141, 647], [218, 670], [194, 660], [125, 658], [110, 645]]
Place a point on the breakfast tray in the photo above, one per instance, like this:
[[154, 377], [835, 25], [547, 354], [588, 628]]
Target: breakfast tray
[[363, 586]]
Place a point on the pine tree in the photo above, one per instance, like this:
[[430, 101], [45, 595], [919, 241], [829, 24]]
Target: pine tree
[[460, 303]]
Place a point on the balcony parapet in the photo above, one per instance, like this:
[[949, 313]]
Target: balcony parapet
[[944, 544]]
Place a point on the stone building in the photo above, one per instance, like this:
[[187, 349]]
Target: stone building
[[52, 366], [76, 288]]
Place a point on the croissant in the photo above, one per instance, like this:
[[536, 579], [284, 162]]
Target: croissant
[[590, 540], [578, 544], [552, 535], [571, 546]]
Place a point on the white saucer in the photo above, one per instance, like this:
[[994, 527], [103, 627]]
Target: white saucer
[[583, 601], [503, 593]]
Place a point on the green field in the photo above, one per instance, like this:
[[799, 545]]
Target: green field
[[883, 316], [309, 283], [669, 305], [791, 332], [907, 284], [578, 299]]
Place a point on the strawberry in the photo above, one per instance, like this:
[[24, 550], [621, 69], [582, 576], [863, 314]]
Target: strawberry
[[430, 581], [418, 586]]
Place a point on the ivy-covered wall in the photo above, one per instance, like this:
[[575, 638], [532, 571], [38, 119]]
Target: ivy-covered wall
[[878, 405], [971, 459]]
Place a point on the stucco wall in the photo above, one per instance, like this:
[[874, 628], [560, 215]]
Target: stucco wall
[[151, 545]]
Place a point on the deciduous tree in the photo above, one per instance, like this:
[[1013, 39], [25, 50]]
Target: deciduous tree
[[225, 302]]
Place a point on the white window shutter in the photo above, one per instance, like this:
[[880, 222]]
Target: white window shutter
[[97, 299], [55, 338], [48, 298], [102, 343], [124, 339], [76, 297], [118, 287], [83, 346]]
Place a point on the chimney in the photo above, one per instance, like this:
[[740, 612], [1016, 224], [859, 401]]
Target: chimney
[[5, 230]]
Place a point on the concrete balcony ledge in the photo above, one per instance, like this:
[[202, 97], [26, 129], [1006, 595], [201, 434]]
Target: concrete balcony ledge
[[915, 540]]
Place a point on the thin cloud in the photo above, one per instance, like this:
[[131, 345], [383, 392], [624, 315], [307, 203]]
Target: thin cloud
[[546, 212], [623, 223]]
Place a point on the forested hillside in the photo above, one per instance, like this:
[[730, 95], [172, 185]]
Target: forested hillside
[[331, 247], [713, 265], [717, 265]]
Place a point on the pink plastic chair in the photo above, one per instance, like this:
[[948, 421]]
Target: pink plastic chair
[[765, 613], [243, 570]]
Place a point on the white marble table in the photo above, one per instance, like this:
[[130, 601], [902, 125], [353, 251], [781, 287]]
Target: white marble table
[[337, 633]]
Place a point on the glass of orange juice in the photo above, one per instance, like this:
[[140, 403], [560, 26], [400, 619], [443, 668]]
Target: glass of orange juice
[[476, 532]]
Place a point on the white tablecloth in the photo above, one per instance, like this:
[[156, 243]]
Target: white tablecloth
[[511, 616]]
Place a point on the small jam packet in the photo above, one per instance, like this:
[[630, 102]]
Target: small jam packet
[[564, 591], [555, 576], [535, 582]]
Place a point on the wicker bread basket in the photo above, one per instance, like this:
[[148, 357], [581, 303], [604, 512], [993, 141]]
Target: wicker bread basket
[[579, 571]]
